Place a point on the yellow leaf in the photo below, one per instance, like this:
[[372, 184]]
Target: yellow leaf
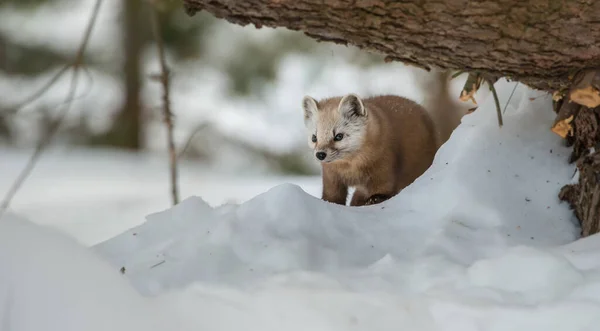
[[556, 96], [588, 96], [563, 128], [465, 96]]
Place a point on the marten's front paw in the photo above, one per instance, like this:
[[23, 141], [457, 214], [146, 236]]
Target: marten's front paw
[[376, 198]]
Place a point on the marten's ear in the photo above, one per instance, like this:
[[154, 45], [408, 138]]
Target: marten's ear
[[310, 107], [351, 105]]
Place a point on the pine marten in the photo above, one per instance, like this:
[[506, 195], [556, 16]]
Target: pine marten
[[378, 145]]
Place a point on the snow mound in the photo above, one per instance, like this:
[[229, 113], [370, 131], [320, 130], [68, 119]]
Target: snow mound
[[50, 282], [478, 242], [542, 275]]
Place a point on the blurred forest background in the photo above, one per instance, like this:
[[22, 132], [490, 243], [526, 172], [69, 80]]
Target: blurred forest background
[[236, 90]]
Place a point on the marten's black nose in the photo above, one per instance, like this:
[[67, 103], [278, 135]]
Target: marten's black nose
[[321, 155]]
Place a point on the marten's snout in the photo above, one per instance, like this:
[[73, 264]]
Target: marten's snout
[[321, 155]]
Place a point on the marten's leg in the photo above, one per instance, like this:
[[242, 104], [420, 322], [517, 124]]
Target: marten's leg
[[334, 190], [359, 198], [377, 198]]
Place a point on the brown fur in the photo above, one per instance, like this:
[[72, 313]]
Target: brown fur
[[401, 140]]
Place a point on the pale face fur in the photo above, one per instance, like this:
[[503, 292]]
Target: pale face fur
[[347, 118]]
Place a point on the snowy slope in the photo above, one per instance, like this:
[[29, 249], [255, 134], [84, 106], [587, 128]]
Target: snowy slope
[[479, 242], [49, 282]]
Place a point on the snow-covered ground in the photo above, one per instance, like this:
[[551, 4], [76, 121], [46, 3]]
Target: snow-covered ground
[[479, 242], [96, 194]]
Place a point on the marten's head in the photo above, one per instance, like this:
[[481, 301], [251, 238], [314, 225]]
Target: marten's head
[[336, 126]]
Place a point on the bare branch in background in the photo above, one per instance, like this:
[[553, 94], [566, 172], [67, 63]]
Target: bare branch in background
[[190, 138], [15, 109], [76, 65], [164, 79]]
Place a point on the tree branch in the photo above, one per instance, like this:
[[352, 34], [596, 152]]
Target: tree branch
[[168, 115], [12, 110], [76, 65]]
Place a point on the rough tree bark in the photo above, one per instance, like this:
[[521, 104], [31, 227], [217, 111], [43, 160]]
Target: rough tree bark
[[537, 42], [578, 120], [546, 44]]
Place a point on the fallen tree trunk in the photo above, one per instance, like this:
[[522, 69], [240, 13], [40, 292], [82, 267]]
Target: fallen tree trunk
[[537, 42], [549, 45]]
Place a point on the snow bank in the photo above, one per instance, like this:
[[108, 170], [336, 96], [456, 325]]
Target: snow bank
[[49, 282], [479, 242], [105, 192]]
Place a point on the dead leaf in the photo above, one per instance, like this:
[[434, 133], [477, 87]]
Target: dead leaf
[[588, 96], [466, 96], [557, 96], [563, 128]]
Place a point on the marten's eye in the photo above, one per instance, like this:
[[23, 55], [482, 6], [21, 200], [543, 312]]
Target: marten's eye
[[338, 137], [314, 138]]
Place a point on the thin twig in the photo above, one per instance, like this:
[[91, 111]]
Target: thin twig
[[74, 98], [159, 263], [510, 97], [15, 109], [42, 144], [55, 125], [190, 138], [497, 101], [164, 79], [75, 64]]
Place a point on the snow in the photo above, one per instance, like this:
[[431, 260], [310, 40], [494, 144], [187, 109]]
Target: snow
[[94, 194], [49, 282], [478, 242], [552, 276]]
